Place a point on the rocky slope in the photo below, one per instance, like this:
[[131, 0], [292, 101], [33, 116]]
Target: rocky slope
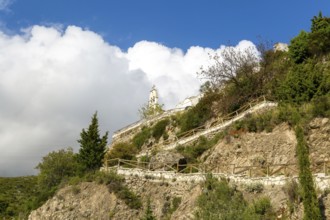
[[176, 200]]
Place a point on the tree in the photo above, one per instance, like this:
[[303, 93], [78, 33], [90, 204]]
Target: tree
[[298, 49], [230, 65], [319, 38], [92, 146], [56, 166], [147, 111], [310, 202]]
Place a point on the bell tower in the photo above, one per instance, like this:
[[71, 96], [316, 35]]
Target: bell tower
[[153, 98]]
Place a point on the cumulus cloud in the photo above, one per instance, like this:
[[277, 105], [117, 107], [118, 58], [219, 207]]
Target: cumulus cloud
[[52, 81]]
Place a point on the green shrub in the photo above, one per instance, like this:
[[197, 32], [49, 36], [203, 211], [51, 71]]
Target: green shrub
[[122, 150], [145, 159], [148, 215], [56, 166], [219, 201], [195, 150], [199, 114], [254, 188], [18, 196], [260, 209], [293, 192], [159, 129], [140, 138], [321, 106]]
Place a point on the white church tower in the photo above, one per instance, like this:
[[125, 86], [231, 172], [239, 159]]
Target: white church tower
[[153, 98]]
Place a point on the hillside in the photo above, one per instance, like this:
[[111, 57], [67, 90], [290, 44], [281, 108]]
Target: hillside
[[16, 196], [255, 145], [176, 197]]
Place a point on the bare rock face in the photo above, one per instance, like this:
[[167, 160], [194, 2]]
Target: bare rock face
[[318, 139], [84, 201], [165, 159], [93, 201], [248, 149]]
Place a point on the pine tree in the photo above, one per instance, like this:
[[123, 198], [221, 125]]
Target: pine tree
[[92, 146]]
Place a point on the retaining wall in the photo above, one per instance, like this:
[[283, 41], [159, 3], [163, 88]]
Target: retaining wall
[[321, 180]]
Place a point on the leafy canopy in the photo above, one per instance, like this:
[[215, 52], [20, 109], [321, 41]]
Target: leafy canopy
[[56, 166]]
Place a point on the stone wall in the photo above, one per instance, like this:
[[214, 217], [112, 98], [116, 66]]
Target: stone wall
[[321, 180]]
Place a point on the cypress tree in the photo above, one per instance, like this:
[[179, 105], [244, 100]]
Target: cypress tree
[[310, 202], [92, 146]]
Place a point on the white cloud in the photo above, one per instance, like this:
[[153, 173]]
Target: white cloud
[[52, 81], [4, 4]]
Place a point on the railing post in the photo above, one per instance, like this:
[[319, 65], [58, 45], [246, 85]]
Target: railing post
[[118, 164], [324, 168], [250, 172], [233, 172], [267, 170]]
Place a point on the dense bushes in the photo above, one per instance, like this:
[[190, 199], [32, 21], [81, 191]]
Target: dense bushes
[[159, 129], [140, 138], [195, 150], [314, 43], [56, 166], [156, 131], [199, 114], [17, 196], [122, 150], [303, 82], [220, 201]]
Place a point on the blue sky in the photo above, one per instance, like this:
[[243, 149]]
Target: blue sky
[[173, 23], [60, 61]]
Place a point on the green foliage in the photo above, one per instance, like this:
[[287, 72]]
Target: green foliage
[[311, 206], [56, 166], [17, 196], [92, 146], [145, 159], [170, 206], [195, 150], [319, 39], [293, 192], [140, 138], [304, 82], [321, 106], [220, 201], [148, 215], [254, 188], [199, 114], [315, 43], [260, 209], [146, 111], [159, 129], [122, 150], [298, 49]]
